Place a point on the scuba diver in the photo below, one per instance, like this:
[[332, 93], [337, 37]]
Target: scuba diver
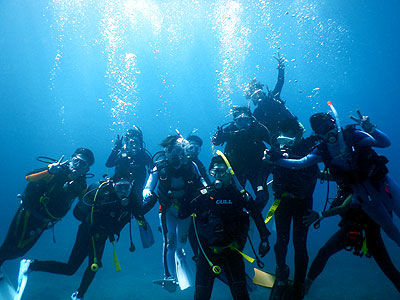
[[176, 178], [357, 233], [46, 200], [270, 108], [349, 157], [293, 191], [132, 160], [193, 151], [104, 211], [221, 226], [245, 140]]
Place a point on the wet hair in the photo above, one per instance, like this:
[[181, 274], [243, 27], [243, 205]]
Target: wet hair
[[238, 111], [291, 125], [316, 121], [169, 140], [216, 160], [86, 153]]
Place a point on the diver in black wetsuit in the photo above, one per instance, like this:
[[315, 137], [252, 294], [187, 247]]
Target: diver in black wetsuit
[[193, 151], [105, 209], [270, 108], [131, 159], [294, 189], [222, 225], [356, 228], [46, 200], [245, 140]]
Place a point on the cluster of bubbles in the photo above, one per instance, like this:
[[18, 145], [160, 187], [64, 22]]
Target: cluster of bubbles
[[242, 30], [233, 46]]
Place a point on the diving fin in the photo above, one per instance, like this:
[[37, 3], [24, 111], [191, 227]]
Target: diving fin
[[169, 284], [264, 279], [146, 234], [278, 292], [183, 271], [7, 291], [22, 277]]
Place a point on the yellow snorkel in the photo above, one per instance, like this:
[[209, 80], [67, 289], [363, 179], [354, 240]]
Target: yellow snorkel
[[220, 153]]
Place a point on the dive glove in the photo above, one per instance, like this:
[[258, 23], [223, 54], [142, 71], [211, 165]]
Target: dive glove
[[118, 142], [263, 248]]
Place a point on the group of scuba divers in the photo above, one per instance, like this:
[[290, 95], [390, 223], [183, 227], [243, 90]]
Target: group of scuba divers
[[214, 214]]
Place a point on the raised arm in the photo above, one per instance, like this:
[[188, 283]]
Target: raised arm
[[281, 77], [375, 137], [112, 159]]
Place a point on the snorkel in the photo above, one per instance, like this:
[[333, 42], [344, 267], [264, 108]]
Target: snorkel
[[339, 128]]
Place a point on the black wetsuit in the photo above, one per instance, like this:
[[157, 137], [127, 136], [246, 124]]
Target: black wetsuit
[[354, 226], [245, 150], [192, 236], [294, 189], [221, 223], [108, 219], [46, 200], [272, 111], [132, 166]]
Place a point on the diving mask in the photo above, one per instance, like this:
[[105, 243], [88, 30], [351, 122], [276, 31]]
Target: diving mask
[[78, 164], [285, 140], [123, 189]]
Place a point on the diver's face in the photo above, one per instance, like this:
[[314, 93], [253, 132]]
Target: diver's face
[[175, 154], [78, 166], [257, 96], [243, 122], [133, 145], [123, 189], [330, 137], [221, 175], [193, 149]]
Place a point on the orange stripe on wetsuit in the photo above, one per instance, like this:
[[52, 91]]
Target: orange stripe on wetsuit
[[39, 175]]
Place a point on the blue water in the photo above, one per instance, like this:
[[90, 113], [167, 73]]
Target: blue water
[[77, 73]]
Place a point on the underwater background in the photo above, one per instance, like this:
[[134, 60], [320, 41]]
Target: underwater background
[[77, 73]]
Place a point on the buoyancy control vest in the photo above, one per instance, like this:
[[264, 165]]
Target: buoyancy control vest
[[102, 208], [189, 175], [52, 198]]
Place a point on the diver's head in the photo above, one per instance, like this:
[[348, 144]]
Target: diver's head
[[291, 133], [134, 139], [242, 117], [175, 149], [324, 125], [254, 91], [219, 171], [194, 147], [80, 162], [123, 188]]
